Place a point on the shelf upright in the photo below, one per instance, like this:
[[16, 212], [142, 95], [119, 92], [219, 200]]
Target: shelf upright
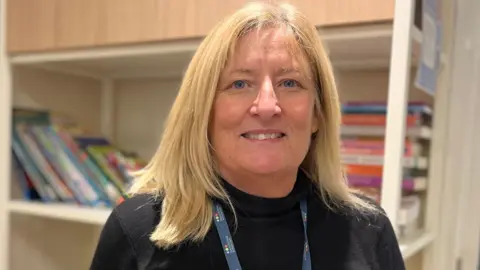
[[108, 109], [5, 118], [398, 88]]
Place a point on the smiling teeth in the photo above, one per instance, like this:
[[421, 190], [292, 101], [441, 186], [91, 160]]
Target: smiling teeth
[[263, 136]]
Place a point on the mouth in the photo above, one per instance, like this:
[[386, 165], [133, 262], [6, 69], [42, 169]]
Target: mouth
[[263, 136]]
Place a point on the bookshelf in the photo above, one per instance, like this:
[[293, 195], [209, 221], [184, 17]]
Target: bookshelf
[[123, 92], [60, 211]]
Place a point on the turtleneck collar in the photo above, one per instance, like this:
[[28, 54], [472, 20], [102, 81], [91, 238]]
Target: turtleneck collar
[[251, 205]]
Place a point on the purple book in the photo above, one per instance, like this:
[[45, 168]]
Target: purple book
[[408, 184]]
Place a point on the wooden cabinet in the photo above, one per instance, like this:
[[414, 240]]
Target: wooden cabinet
[[38, 25]]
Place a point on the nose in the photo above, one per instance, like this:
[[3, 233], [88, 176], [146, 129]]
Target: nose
[[266, 103]]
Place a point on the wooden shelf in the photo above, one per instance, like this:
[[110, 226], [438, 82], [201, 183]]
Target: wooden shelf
[[86, 215], [350, 47]]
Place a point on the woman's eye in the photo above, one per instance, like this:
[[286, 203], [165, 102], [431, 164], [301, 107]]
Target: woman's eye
[[239, 84], [289, 83]]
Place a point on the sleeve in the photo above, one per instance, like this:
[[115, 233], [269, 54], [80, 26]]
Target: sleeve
[[388, 249], [114, 249]]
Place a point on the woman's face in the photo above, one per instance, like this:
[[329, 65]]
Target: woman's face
[[263, 115]]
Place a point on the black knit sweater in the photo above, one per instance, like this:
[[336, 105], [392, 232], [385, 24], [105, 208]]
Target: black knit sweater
[[269, 236]]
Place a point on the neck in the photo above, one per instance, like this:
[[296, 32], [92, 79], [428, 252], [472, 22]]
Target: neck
[[266, 186]]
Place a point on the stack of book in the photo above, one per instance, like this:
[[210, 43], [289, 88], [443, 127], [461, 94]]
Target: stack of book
[[54, 160], [363, 150]]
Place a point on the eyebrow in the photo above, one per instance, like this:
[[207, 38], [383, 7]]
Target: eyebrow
[[277, 71], [242, 70], [287, 70]]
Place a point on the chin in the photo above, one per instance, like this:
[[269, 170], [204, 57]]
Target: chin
[[264, 168]]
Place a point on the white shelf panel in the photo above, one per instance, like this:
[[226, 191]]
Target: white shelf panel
[[411, 246], [87, 215], [350, 47]]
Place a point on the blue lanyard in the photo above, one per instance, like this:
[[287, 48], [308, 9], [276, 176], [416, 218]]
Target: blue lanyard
[[229, 248]]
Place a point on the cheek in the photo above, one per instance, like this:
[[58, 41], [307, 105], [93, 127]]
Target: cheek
[[300, 114], [227, 117]]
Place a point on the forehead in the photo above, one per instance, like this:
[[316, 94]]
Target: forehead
[[275, 45]]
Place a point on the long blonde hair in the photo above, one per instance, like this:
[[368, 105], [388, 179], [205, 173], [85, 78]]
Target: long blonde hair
[[182, 172]]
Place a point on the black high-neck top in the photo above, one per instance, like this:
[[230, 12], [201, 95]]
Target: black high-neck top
[[269, 235]]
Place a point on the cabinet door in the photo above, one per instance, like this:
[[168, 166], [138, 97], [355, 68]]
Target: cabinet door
[[337, 12], [36, 25], [30, 25]]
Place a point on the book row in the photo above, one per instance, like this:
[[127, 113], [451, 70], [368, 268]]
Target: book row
[[55, 161], [363, 150]]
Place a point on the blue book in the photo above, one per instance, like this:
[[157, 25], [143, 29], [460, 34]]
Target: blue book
[[381, 108]]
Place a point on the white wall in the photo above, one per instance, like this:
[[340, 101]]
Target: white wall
[[77, 97], [141, 107], [456, 245], [467, 80]]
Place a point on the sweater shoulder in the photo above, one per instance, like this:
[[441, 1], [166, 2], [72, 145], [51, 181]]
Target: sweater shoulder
[[373, 220], [124, 241], [364, 225], [374, 234], [138, 206], [139, 215]]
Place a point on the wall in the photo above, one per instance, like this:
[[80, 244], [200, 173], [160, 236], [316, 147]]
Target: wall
[[74, 96]]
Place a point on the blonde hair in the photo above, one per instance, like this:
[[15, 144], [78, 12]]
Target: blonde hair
[[182, 171]]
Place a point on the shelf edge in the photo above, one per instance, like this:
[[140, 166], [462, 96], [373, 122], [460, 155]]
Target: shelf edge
[[58, 211], [412, 246]]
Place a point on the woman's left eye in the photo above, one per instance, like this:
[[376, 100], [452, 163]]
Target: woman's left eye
[[289, 83]]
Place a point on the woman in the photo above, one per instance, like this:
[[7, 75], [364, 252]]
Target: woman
[[249, 150]]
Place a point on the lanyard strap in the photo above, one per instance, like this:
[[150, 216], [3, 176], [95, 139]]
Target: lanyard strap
[[229, 248]]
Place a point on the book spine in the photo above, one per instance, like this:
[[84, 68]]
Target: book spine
[[101, 161], [374, 181], [28, 190], [89, 169], [376, 119], [364, 170], [54, 155], [93, 172], [81, 183], [39, 157], [41, 186]]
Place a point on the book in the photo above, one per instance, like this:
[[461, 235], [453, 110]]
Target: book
[[381, 107], [409, 184]]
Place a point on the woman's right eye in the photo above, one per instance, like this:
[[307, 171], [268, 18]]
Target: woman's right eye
[[239, 84]]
